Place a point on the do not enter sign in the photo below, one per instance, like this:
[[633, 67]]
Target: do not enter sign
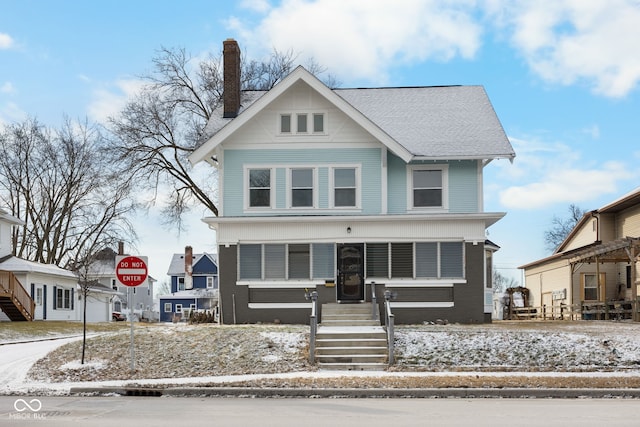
[[131, 270]]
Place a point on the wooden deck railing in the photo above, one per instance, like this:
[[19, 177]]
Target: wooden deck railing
[[609, 310], [11, 288]]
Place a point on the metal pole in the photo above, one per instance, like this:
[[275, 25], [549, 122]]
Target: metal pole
[[133, 364]]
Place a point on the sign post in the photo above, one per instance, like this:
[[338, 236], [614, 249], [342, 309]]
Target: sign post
[[131, 271]]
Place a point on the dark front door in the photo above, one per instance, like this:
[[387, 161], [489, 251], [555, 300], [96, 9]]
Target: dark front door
[[351, 272]]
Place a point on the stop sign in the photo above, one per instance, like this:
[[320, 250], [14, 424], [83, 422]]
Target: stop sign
[[131, 270]]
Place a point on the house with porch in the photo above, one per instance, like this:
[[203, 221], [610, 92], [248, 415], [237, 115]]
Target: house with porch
[[351, 193], [194, 286], [596, 265]]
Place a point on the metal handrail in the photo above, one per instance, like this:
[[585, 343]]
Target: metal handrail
[[313, 322], [374, 302], [389, 320]]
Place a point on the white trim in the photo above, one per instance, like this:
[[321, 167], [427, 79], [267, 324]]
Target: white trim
[[421, 304], [265, 284], [444, 168], [283, 305], [421, 283]]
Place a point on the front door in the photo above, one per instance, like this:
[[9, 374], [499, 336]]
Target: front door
[[350, 272]]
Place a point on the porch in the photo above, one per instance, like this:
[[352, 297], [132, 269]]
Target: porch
[[16, 303]]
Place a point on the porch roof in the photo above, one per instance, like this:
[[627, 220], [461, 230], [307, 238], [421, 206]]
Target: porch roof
[[621, 250]]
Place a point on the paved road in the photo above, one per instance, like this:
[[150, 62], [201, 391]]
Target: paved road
[[172, 411]]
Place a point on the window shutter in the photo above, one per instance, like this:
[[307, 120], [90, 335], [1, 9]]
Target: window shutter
[[55, 297], [72, 299]]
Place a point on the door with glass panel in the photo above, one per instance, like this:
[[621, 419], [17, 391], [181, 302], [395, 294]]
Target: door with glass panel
[[350, 272]]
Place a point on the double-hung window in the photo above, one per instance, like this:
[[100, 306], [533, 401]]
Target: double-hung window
[[428, 187], [301, 188], [259, 188], [344, 187]]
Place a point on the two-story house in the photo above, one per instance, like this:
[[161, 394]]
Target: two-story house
[[334, 189], [597, 262], [31, 290], [194, 285]]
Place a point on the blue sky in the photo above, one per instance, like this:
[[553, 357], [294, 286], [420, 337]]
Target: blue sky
[[563, 78]]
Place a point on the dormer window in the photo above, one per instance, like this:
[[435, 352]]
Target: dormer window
[[302, 123], [318, 123]]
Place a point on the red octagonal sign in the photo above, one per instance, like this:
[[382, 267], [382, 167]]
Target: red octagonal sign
[[131, 270]]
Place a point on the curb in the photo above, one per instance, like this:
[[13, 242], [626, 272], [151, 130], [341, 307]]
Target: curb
[[467, 393]]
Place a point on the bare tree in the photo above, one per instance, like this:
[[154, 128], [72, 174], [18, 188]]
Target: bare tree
[[561, 227], [502, 282], [157, 130], [61, 185]]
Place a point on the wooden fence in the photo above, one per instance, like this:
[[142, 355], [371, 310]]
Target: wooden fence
[[610, 310]]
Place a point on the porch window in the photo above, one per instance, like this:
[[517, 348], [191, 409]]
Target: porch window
[[451, 259], [344, 187], [179, 308], [167, 307], [377, 260], [275, 261], [259, 188], [301, 188], [427, 259], [250, 262], [402, 260], [38, 296], [299, 267], [64, 299], [323, 260]]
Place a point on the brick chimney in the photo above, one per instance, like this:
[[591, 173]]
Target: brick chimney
[[188, 267], [231, 67], [120, 248]]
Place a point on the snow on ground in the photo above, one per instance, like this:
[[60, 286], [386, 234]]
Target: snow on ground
[[207, 355]]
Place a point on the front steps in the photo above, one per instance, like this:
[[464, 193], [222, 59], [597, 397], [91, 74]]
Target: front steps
[[348, 339]]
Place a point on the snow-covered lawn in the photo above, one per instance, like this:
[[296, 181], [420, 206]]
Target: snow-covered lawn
[[532, 354]]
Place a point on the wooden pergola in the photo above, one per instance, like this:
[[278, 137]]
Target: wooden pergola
[[616, 251]]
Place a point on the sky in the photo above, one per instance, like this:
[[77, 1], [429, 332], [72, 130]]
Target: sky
[[563, 77]]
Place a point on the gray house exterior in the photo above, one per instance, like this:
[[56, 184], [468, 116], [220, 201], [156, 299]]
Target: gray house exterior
[[349, 192]]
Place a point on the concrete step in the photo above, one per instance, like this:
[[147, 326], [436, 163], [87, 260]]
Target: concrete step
[[352, 366], [349, 322], [351, 358]]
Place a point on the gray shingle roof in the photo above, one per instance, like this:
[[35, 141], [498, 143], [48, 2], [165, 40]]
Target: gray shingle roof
[[176, 267], [435, 122]]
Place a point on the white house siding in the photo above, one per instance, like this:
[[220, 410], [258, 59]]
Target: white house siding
[[628, 223], [547, 278], [49, 286], [585, 236]]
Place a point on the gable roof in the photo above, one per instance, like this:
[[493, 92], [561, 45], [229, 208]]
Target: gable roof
[[19, 265], [415, 123], [176, 267]]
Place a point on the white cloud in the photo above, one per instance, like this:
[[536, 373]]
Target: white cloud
[[546, 174], [573, 41], [6, 42], [11, 112], [109, 102], [7, 87], [360, 39], [260, 6]]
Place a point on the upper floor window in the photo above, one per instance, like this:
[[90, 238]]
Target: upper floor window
[[303, 122], [428, 187], [285, 123], [301, 188], [181, 284], [259, 188], [344, 187], [211, 282], [318, 123]]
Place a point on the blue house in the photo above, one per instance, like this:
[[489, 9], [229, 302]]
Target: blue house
[[349, 192], [194, 285]]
